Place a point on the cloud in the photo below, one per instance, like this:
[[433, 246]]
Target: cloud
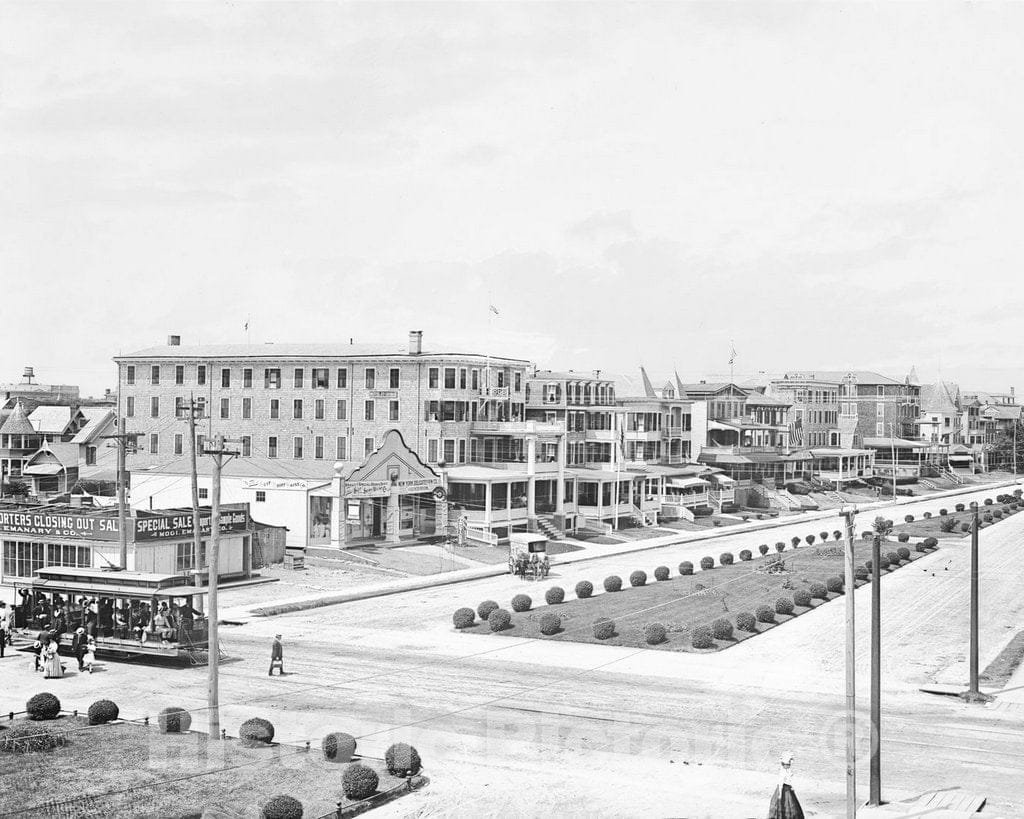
[[603, 228]]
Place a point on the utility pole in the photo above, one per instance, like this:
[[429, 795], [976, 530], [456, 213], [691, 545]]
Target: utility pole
[[875, 798], [972, 694], [122, 440], [851, 688], [217, 451], [193, 409]]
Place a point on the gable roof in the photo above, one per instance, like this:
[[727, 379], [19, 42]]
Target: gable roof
[[942, 397], [97, 419], [50, 420]]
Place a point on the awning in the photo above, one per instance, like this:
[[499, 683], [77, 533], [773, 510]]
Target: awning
[[42, 469], [899, 443], [685, 483], [112, 590]]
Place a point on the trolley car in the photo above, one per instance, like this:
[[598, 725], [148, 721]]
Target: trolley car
[[130, 614]]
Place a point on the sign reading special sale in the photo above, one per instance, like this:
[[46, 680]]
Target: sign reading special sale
[[54, 524], [176, 527]]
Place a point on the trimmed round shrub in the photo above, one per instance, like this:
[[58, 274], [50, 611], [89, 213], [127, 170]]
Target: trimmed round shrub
[[686, 567], [959, 507], [721, 629], [359, 782], [823, 536], [654, 633], [256, 732], [103, 711], [604, 629], [927, 515], [499, 620], [988, 501], [835, 584], [763, 548], [819, 591], [483, 611], [795, 541], [861, 573], [903, 552], [802, 597], [784, 606], [554, 595], [282, 807], [402, 760], [638, 578], [701, 638], [550, 623], [584, 589], [893, 558], [883, 561], [867, 564], [43, 706], [867, 534], [943, 512], [837, 535], [338, 747], [725, 558], [613, 583], [661, 573], [28, 738], [464, 617], [903, 537], [765, 614], [174, 720], [707, 563], [908, 518], [745, 554], [987, 517], [521, 603], [965, 527], [780, 546], [997, 514], [745, 621], [810, 540]]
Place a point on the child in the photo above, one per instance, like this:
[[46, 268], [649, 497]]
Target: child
[[89, 658], [37, 650]]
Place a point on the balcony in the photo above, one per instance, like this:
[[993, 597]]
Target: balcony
[[494, 392], [546, 428], [601, 435], [642, 435]]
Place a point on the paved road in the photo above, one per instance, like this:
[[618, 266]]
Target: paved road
[[525, 728]]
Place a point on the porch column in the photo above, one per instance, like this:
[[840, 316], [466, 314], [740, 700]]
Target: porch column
[[339, 519], [531, 480], [600, 498], [487, 506], [392, 522], [560, 483]]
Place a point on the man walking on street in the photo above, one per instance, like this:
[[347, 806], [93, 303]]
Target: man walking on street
[[78, 644], [5, 626], [276, 656]]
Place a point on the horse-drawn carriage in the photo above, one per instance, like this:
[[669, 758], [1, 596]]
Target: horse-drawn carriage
[[528, 555]]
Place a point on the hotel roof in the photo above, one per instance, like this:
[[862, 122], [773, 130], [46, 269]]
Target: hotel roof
[[297, 351]]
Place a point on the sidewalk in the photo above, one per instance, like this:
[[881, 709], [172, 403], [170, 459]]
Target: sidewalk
[[593, 552]]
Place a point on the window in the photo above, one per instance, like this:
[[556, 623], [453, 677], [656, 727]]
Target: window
[[432, 450], [321, 378], [342, 377], [22, 559], [261, 496], [201, 374], [204, 493], [183, 553], [367, 446], [432, 378], [392, 410], [90, 456], [342, 409], [371, 376], [129, 375], [129, 406], [449, 378], [200, 408], [297, 447], [246, 408], [225, 407], [246, 446], [272, 378], [475, 383], [272, 446], [200, 443], [393, 378], [518, 382], [297, 378], [501, 379], [318, 409], [154, 374], [154, 443], [178, 443], [247, 378], [225, 377], [368, 408], [462, 378], [879, 429], [341, 447], [449, 450], [318, 447], [297, 408], [462, 451], [275, 408], [881, 391], [179, 374], [154, 407], [880, 410]]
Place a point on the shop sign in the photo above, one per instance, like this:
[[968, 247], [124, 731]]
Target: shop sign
[[179, 527], [58, 525], [377, 489], [383, 393]]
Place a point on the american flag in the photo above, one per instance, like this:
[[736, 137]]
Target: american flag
[[495, 310]]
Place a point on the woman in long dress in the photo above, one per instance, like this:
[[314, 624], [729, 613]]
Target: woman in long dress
[[52, 668], [784, 804]]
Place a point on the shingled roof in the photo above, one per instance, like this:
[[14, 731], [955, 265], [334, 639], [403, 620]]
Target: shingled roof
[[17, 422]]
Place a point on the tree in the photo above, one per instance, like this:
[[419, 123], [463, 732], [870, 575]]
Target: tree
[[14, 488], [882, 527], [1000, 451]]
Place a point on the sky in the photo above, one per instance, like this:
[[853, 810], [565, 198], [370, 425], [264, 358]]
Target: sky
[[816, 185]]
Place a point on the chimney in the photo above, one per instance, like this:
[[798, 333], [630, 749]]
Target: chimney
[[415, 342], [173, 341]]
